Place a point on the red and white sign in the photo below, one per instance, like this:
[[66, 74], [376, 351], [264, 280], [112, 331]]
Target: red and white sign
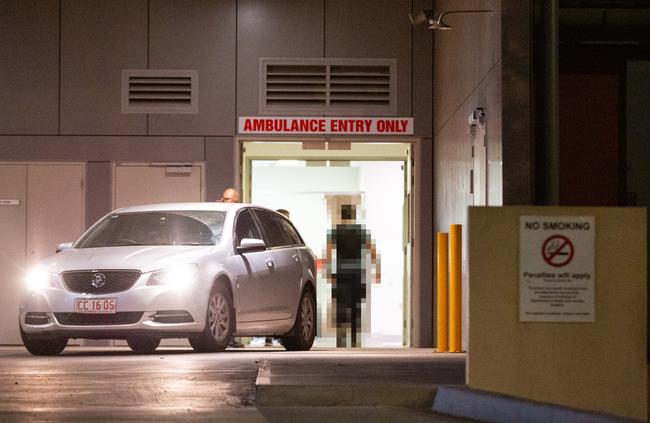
[[557, 251], [557, 276], [325, 125]]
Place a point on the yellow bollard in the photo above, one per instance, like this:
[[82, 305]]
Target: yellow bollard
[[442, 294], [455, 266]]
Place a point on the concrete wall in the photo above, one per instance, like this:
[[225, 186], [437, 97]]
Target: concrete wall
[[60, 82], [29, 32], [517, 102], [584, 365], [638, 131], [467, 75]]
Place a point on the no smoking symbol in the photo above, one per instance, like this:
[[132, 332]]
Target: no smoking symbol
[[557, 250]]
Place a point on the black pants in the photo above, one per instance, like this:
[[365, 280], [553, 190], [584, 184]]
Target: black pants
[[348, 291]]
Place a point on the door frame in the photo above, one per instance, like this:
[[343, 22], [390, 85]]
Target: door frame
[[418, 311]]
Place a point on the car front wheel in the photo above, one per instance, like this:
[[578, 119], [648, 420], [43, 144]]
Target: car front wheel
[[302, 335], [219, 324], [43, 346]]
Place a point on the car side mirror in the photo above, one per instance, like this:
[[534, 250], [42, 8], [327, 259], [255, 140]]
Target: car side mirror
[[249, 245], [63, 246]]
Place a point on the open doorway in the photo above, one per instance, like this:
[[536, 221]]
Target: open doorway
[[312, 185]]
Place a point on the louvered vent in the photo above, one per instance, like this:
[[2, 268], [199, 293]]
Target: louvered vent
[[296, 85], [159, 91], [360, 85], [328, 87]]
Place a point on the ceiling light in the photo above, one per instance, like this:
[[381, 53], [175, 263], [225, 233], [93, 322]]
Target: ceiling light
[[435, 21]]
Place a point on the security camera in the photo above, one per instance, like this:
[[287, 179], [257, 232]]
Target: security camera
[[426, 15]]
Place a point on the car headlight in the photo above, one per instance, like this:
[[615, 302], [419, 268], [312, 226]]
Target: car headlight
[[38, 280], [177, 275]]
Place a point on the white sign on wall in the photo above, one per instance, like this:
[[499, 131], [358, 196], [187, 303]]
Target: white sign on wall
[[556, 269], [9, 202], [325, 125]]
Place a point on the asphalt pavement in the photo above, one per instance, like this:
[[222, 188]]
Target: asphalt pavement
[[250, 385]]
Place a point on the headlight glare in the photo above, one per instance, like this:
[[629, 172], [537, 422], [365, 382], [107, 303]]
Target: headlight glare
[[38, 280], [176, 275]]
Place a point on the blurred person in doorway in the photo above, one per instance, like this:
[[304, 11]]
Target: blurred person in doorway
[[352, 242]]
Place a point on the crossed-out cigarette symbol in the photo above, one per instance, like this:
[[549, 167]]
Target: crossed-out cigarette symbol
[[557, 250]]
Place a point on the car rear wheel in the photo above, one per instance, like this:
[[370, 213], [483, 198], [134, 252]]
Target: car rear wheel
[[219, 323], [302, 335], [43, 346], [143, 344]]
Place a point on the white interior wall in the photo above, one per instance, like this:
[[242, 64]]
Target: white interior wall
[[292, 186], [383, 185], [301, 190]]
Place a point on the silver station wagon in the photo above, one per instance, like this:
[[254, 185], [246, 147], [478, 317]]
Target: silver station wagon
[[201, 271]]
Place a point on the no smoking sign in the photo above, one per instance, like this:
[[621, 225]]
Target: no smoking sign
[[556, 266]]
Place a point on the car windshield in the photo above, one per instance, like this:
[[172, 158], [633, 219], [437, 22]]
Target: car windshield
[[187, 227]]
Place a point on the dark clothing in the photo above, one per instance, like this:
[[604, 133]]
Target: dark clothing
[[348, 295], [348, 284], [350, 241]]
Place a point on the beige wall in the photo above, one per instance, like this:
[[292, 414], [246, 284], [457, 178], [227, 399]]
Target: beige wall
[[62, 84], [595, 366], [467, 75], [48, 210]]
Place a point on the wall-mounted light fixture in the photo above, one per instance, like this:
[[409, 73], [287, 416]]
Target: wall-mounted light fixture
[[435, 21]]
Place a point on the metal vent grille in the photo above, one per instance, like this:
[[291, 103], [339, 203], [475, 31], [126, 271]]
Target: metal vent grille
[[159, 91], [299, 84], [328, 87], [360, 85]]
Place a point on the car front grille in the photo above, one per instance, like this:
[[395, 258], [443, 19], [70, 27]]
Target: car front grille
[[113, 281], [81, 319]]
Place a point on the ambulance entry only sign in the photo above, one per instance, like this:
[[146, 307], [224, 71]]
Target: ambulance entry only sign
[[556, 269]]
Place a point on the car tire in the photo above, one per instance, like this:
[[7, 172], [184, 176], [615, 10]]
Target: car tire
[[219, 322], [143, 344], [43, 346], [301, 337]]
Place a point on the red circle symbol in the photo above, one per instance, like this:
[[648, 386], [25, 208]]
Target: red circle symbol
[[558, 251]]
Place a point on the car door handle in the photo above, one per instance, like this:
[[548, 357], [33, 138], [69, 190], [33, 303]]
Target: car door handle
[[296, 258], [269, 263]]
